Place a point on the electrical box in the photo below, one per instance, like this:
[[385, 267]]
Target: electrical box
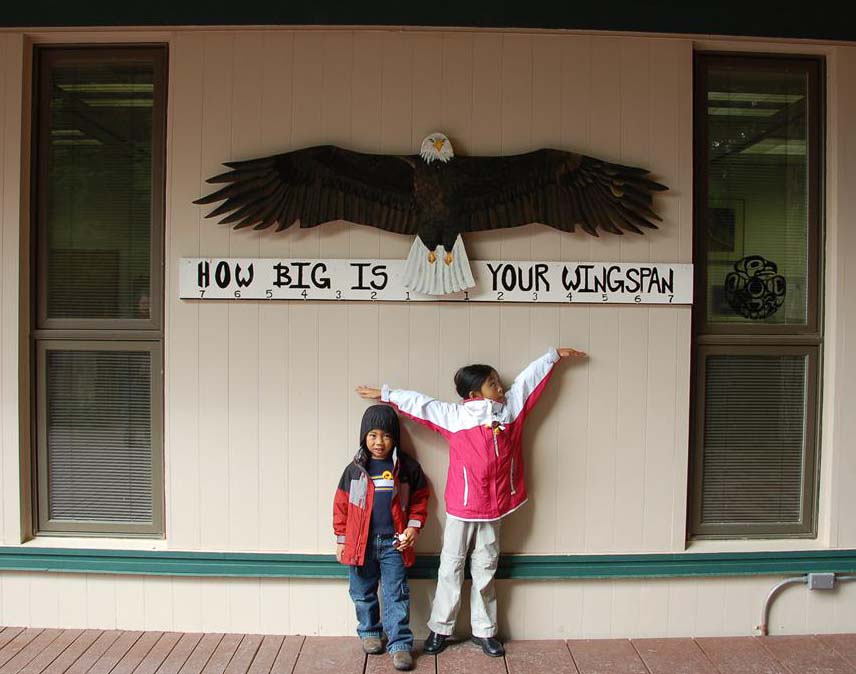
[[821, 581]]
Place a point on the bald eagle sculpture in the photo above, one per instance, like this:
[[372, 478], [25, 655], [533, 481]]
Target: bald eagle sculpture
[[435, 196]]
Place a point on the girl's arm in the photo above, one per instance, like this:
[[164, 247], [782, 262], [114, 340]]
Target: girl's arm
[[530, 383], [439, 416]]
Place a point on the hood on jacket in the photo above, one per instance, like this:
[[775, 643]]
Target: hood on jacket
[[384, 418]]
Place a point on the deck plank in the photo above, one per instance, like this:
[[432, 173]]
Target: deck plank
[[321, 655], [467, 658], [30, 651], [673, 656], [201, 650], [288, 654], [159, 653], [539, 657], [137, 653], [19, 643], [245, 654], [606, 656], [806, 655], [93, 652], [739, 655], [113, 655], [265, 656], [70, 655], [382, 664], [51, 653], [843, 644], [223, 654], [9, 633]]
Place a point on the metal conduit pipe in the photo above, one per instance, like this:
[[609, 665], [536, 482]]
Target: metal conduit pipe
[[815, 581]]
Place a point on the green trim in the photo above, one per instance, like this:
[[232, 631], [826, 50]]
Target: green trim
[[531, 567]]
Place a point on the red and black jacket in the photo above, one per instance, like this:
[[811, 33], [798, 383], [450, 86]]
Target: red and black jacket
[[352, 505]]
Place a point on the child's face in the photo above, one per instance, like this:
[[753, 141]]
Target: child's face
[[492, 388], [379, 443]]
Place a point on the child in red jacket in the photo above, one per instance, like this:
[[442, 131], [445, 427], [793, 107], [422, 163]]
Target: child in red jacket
[[485, 482], [379, 509]]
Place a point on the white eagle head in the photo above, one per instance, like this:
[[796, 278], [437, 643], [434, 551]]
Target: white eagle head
[[436, 146]]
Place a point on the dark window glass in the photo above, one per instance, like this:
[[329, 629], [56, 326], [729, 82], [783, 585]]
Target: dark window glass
[[100, 187], [756, 319], [99, 128]]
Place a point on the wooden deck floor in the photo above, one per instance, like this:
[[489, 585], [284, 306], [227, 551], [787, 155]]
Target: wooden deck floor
[[59, 651]]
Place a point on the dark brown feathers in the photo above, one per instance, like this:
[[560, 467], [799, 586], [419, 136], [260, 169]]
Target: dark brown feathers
[[404, 194]]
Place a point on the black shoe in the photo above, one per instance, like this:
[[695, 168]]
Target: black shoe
[[434, 643], [490, 646]]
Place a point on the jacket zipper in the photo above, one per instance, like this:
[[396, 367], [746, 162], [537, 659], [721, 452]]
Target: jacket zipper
[[495, 432], [466, 486], [513, 489]]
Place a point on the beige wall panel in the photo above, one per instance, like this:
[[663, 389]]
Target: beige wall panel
[[844, 426], [274, 600], [15, 598], [528, 609], [11, 91], [101, 610], [130, 603], [274, 318], [187, 604], [158, 603], [243, 354], [72, 601], [215, 605], [213, 348], [182, 329], [45, 590]]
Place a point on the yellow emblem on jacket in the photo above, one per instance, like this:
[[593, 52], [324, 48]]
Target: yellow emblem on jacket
[[387, 475]]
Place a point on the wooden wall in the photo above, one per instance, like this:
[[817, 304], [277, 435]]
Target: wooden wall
[[261, 414]]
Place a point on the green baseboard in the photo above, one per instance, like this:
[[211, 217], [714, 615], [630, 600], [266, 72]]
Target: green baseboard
[[524, 567]]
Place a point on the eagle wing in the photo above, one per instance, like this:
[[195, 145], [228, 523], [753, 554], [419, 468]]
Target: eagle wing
[[316, 185], [553, 187]]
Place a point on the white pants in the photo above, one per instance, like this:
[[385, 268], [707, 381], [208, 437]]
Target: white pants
[[447, 600]]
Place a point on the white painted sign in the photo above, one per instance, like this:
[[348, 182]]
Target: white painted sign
[[380, 280]]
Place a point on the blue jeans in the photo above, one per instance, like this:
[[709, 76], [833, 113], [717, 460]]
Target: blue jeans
[[384, 563]]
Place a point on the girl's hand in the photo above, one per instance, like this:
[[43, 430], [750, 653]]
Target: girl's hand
[[566, 352], [408, 538], [340, 550], [368, 393]]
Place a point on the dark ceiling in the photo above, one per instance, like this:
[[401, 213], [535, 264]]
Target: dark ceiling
[[786, 19]]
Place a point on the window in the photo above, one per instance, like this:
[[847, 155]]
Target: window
[[99, 138], [756, 318]]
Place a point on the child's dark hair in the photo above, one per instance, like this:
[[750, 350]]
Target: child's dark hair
[[470, 378]]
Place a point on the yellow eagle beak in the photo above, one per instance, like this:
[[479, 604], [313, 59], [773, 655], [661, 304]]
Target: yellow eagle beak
[[438, 144]]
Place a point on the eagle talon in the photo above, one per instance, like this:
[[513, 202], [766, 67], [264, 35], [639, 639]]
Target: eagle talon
[[432, 258], [448, 259]]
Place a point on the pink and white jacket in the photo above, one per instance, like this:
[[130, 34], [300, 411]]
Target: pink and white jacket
[[486, 477]]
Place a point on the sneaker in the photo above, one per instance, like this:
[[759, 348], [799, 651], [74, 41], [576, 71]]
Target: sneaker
[[434, 643], [490, 646], [402, 661], [372, 645]]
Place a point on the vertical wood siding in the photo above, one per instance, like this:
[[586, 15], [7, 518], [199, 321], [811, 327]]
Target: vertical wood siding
[[262, 415], [260, 411], [11, 78], [528, 610]]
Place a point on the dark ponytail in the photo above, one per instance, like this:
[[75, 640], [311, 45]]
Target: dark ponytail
[[470, 378]]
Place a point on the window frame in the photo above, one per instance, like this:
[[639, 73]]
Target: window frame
[[732, 338], [110, 334]]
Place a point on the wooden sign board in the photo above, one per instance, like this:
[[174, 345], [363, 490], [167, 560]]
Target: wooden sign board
[[380, 281]]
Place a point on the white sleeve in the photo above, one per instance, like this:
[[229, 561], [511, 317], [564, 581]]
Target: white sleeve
[[528, 380], [437, 415]]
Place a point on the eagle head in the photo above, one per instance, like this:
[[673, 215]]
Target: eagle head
[[436, 146]]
